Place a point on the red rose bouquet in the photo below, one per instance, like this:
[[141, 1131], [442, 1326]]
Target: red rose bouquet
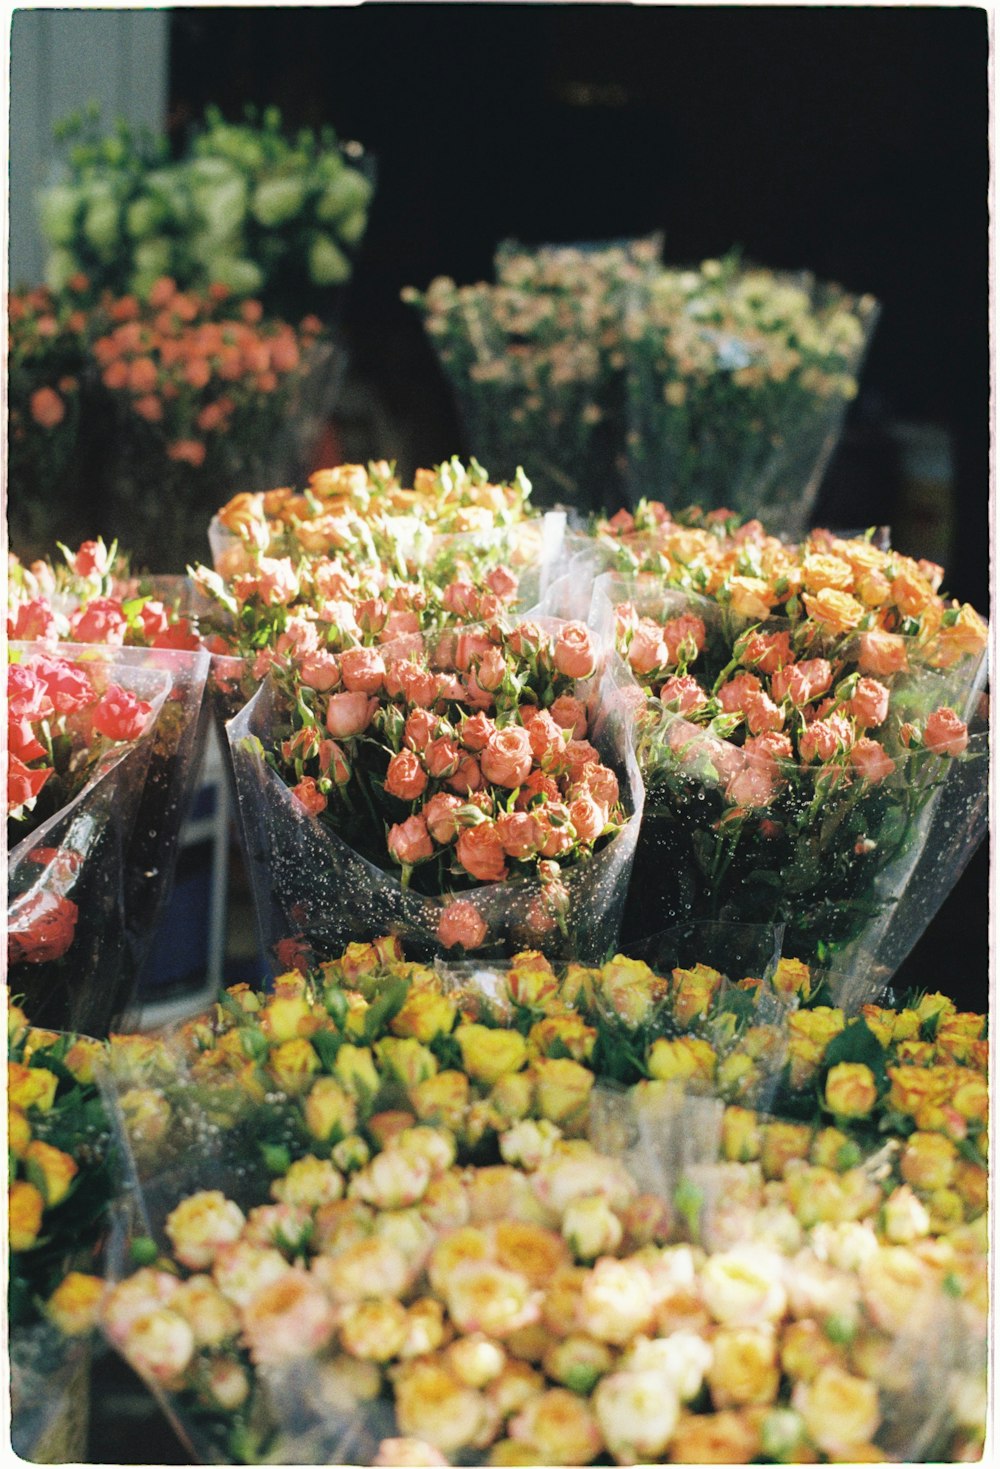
[[80, 725]]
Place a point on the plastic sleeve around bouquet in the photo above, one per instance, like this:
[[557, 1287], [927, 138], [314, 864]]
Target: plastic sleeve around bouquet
[[68, 882], [49, 1395], [312, 888], [731, 408]]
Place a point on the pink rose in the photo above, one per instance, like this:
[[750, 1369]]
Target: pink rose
[[570, 713], [309, 796], [578, 754], [945, 733], [769, 746], [762, 714], [766, 651], [753, 786], [349, 714], [518, 834], [555, 832], [481, 853], [419, 685], [67, 686], [154, 619], [602, 784], [120, 715], [362, 670], [462, 598], [502, 583], [92, 558], [588, 818], [545, 737], [409, 841], [420, 728], [733, 695], [870, 760], [825, 738], [647, 650], [442, 756], [301, 636], [290, 1318], [684, 633], [476, 732], [574, 654], [470, 646], [491, 671], [333, 762], [882, 653], [507, 758], [870, 704], [439, 814], [33, 620], [461, 924], [399, 624], [683, 693], [802, 682], [405, 778], [468, 777], [319, 670], [277, 582], [371, 615]]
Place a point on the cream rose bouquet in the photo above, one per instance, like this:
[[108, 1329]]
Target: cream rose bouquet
[[411, 1231], [738, 379]]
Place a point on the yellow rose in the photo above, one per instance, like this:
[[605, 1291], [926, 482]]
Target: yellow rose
[[692, 992], [805, 1348], [354, 1068], [292, 1064], [310, 1182], [880, 1022], [815, 1194], [285, 1018], [424, 1015], [18, 1132], [579, 985], [792, 977], [832, 1148], [147, 1115], [559, 1427], [17, 1024], [819, 571], [744, 1369], [443, 1099], [631, 989], [511, 1098], [75, 1304], [562, 1089], [782, 1142], [200, 1225], [915, 1053], [741, 1135], [928, 1161], [373, 1330], [82, 1056], [840, 1411], [972, 1187], [912, 1087], [685, 1059], [475, 1360], [965, 637], [25, 1207], [727, 1437], [30, 1086], [405, 1059], [51, 1171], [488, 1054], [736, 1075], [803, 1055], [819, 1025], [837, 611], [568, 1031], [431, 1404], [970, 1097], [851, 1090], [330, 1111], [751, 597]]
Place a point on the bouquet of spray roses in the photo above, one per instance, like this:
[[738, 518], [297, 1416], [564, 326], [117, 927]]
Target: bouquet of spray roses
[[738, 379], [419, 1229], [537, 363], [446, 778], [796, 767]]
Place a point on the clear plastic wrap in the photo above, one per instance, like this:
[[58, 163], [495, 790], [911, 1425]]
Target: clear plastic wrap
[[69, 881]]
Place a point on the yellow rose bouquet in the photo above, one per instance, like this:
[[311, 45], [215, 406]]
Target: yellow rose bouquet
[[417, 1226]]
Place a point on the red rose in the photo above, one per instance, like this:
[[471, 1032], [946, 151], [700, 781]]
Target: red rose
[[27, 696], [40, 928], [120, 715], [21, 740], [34, 619], [101, 621], [68, 687], [22, 784]]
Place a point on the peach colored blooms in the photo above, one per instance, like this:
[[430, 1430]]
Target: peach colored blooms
[[870, 760], [507, 758], [481, 854], [439, 814], [349, 714], [574, 654], [409, 841], [870, 703], [362, 670], [945, 733], [461, 924], [405, 777]]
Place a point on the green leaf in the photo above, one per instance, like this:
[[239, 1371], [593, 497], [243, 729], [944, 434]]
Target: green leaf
[[858, 1043]]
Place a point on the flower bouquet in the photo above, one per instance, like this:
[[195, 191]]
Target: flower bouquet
[[246, 206], [411, 1231], [80, 730], [46, 356], [88, 598], [204, 395], [442, 784], [797, 768], [738, 379], [537, 363], [61, 1183]]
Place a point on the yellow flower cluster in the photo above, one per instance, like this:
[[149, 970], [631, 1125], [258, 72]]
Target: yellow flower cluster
[[446, 1234]]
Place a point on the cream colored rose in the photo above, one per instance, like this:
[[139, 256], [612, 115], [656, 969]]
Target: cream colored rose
[[200, 1224], [367, 1269], [578, 1362], [637, 1413], [840, 1411], [615, 1301], [899, 1289], [431, 1404], [487, 1297], [576, 1170], [242, 1269], [743, 1286], [292, 1317], [591, 1227], [159, 1346], [475, 1360], [212, 1318], [309, 1182], [904, 1217], [682, 1358], [392, 1180], [374, 1331], [744, 1370], [529, 1142], [560, 1427]]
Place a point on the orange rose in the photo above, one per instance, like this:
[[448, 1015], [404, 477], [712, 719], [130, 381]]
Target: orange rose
[[481, 852]]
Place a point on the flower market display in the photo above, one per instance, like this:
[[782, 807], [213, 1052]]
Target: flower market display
[[506, 1215], [617, 379]]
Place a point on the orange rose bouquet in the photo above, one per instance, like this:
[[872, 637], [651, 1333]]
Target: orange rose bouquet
[[445, 777], [801, 768], [80, 729]]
